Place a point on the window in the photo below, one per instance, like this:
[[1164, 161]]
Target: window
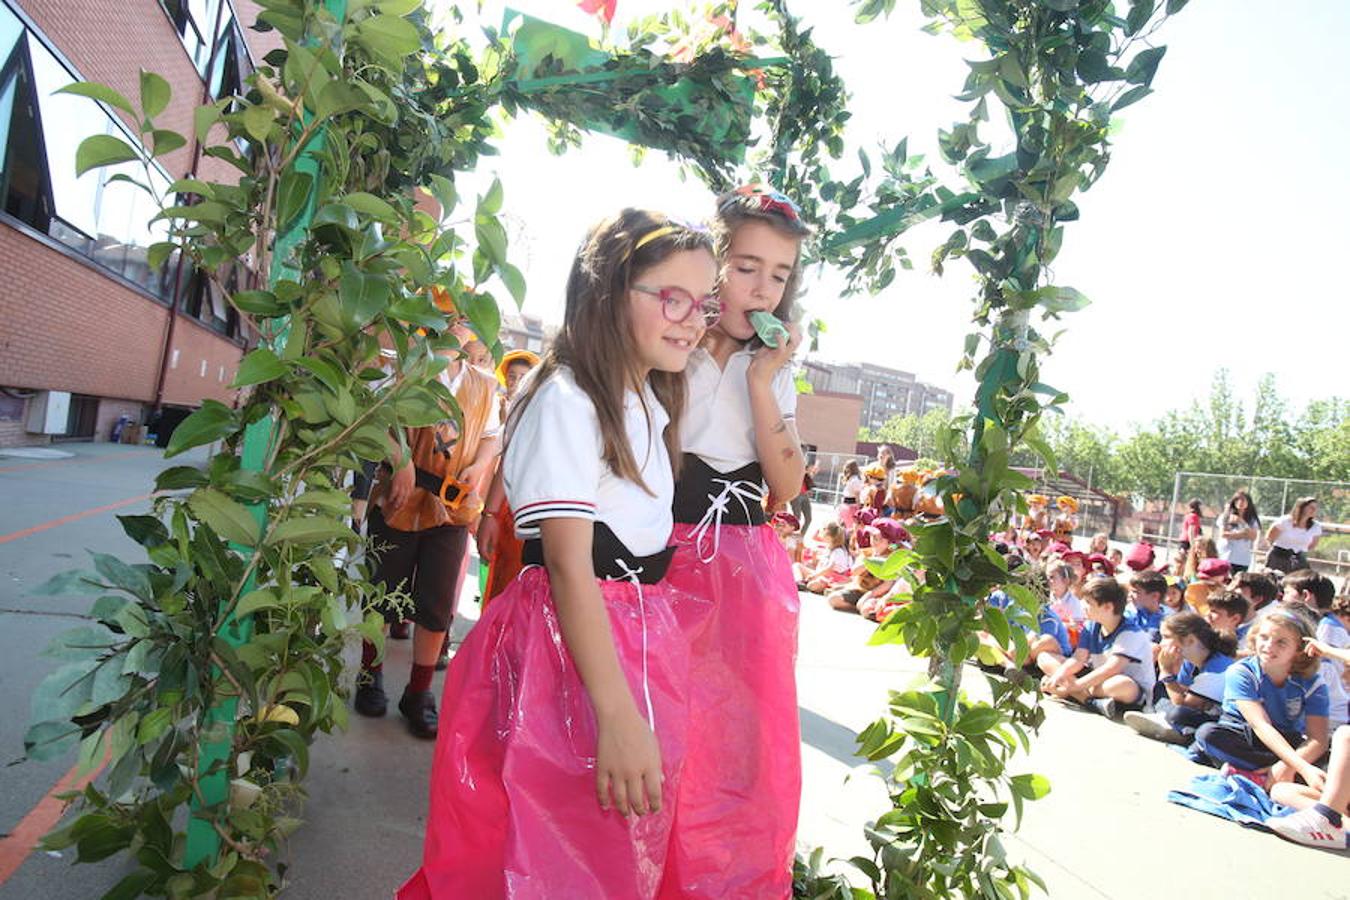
[[96, 215], [213, 40], [204, 301]]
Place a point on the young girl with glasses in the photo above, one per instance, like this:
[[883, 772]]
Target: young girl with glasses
[[736, 806], [563, 721]]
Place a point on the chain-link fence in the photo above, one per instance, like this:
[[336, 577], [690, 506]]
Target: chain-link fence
[[1273, 497]]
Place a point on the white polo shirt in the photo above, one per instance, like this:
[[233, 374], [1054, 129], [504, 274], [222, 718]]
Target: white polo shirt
[[553, 466], [718, 426]]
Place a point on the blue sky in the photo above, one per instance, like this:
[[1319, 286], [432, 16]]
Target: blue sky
[[1215, 239]]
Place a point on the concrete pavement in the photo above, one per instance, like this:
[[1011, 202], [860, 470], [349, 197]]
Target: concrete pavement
[[1106, 829]]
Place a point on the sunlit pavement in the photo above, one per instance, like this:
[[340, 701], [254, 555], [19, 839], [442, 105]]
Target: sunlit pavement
[[1106, 829]]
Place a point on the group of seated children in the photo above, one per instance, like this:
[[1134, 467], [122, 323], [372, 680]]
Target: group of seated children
[[1254, 686]]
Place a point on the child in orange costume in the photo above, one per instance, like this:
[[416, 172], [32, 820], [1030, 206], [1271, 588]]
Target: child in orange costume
[[498, 545]]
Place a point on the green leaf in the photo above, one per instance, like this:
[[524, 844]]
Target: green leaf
[[100, 92], [372, 206], [155, 94], [293, 192], [1144, 66], [996, 623], [483, 315], [63, 692], [1030, 787], [1140, 12], [212, 422], [314, 530], [203, 117], [75, 581], [390, 38], [148, 531], [100, 150], [491, 202], [1133, 95], [49, 740], [132, 886], [514, 281], [263, 304], [258, 366], [978, 720], [1061, 299], [258, 121], [253, 601], [121, 575], [227, 518], [443, 189], [179, 477], [165, 141]]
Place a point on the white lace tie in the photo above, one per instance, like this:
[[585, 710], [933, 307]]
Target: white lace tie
[[741, 491], [631, 575]]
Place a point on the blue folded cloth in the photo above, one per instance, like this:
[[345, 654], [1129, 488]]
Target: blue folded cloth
[[1231, 797]]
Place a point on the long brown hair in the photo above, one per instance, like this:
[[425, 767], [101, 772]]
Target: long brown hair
[[596, 338], [1300, 507], [734, 209]]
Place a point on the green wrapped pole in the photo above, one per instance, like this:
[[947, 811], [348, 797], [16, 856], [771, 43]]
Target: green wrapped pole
[[203, 843]]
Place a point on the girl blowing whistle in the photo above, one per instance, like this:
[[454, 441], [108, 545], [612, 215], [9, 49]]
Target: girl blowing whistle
[[736, 805], [564, 713]]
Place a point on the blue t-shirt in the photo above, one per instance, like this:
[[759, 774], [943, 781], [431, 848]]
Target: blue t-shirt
[[1242, 633], [1208, 680], [1046, 621], [1151, 622], [1288, 705], [1129, 641]]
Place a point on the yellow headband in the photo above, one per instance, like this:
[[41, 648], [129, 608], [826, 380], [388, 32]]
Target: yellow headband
[[653, 235]]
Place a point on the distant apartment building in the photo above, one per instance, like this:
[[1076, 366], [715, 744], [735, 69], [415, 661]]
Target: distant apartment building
[[89, 331], [524, 332], [885, 392]]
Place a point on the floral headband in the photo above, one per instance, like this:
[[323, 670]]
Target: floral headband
[[770, 200]]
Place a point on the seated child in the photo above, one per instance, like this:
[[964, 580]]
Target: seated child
[[1333, 633], [1313, 589], [876, 609], [1112, 669], [1140, 558], [1063, 601], [1228, 613], [1273, 724], [1175, 600], [834, 566], [1320, 817], [786, 526], [1049, 636], [862, 583], [1193, 660], [1116, 557], [1147, 590], [1260, 591]]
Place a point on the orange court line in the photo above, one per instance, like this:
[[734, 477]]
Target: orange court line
[[42, 818], [65, 462], [73, 517]]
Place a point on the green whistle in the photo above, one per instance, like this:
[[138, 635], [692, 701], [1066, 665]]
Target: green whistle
[[769, 327]]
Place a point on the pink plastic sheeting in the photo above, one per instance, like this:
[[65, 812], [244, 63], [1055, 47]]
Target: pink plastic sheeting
[[513, 796], [737, 802]]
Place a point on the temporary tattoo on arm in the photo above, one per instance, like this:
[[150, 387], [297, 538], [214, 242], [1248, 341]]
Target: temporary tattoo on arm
[[789, 453]]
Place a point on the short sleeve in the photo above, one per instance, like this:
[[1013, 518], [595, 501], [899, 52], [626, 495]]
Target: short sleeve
[[785, 392], [1186, 677], [553, 458], [1134, 645], [1209, 685], [1240, 683], [1319, 700]]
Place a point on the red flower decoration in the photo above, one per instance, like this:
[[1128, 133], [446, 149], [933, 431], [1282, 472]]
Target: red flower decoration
[[604, 8]]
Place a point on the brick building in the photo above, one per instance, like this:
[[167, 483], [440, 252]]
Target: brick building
[[885, 392], [88, 331]]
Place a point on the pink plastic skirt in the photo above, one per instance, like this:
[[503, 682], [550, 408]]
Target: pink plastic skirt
[[513, 798], [737, 801]]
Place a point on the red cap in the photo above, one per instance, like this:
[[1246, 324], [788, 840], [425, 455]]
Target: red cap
[[1074, 554], [1141, 557], [866, 516], [787, 518], [1214, 568], [892, 530], [1099, 559]]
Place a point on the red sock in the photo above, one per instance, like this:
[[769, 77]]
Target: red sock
[[368, 658], [420, 680]]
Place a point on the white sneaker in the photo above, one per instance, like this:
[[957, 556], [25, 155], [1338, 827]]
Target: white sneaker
[[1155, 726], [1310, 828]]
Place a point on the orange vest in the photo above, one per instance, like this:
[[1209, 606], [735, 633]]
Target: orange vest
[[428, 446]]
